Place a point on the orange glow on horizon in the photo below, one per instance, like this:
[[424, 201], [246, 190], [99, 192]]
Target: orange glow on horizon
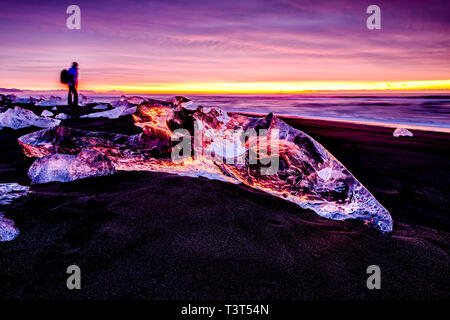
[[275, 87], [267, 87]]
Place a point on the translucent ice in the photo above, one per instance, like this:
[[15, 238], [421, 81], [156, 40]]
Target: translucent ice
[[62, 116], [51, 101], [112, 114], [400, 132], [101, 106], [18, 118], [224, 148], [135, 100], [68, 167], [8, 193], [7, 230], [84, 100], [11, 191], [29, 99], [127, 102], [47, 113]]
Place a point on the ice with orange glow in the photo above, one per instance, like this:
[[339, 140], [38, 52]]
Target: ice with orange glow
[[227, 147]]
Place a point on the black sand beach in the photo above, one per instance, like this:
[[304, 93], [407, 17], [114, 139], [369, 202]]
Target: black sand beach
[[143, 235]]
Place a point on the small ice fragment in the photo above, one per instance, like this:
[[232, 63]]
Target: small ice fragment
[[7, 230], [84, 100], [101, 106], [112, 114], [52, 101], [135, 100], [62, 116], [8, 193], [47, 113], [402, 132], [324, 174], [67, 167], [11, 191], [29, 99]]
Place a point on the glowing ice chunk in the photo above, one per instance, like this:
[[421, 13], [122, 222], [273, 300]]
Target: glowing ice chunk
[[306, 173]]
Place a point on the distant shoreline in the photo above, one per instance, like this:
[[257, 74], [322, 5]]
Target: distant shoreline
[[286, 111], [392, 125]]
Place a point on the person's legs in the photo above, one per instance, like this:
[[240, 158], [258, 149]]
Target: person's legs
[[75, 96], [69, 97]]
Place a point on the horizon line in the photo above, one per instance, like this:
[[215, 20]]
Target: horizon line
[[298, 87]]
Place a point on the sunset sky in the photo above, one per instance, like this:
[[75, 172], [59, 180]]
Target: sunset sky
[[226, 46]]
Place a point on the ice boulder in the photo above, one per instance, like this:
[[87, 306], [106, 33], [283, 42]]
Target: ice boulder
[[47, 113], [8, 231], [67, 167], [29, 99], [18, 118], [11, 191], [62, 116], [264, 153], [119, 103], [8, 193], [113, 113], [52, 101], [101, 106], [6, 99], [184, 103], [128, 101], [84, 100], [135, 100], [402, 132]]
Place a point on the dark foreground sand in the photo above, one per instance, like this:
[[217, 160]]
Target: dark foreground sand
[[150, 235]]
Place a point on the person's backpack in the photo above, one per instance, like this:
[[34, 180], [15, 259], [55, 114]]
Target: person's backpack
[[66, 77]]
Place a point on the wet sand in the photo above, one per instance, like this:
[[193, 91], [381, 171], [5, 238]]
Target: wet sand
[[143, 235]]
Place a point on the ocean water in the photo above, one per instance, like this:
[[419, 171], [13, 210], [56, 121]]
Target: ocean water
[[424, 111]]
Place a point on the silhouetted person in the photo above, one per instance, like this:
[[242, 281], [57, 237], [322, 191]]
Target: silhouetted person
[[73, 85]]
